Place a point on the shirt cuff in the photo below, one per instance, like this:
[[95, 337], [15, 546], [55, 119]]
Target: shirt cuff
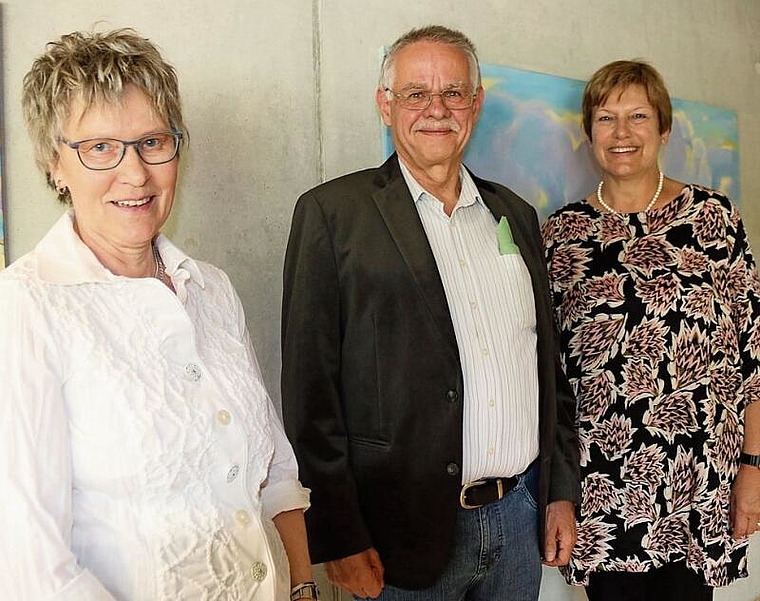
[[284, 496]]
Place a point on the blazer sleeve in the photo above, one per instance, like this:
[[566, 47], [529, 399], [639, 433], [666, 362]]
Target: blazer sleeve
[[311, 385], [564, 483], [565, 480], [565, 476]]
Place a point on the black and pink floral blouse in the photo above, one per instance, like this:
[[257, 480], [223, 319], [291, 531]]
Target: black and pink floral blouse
[[658, 319]]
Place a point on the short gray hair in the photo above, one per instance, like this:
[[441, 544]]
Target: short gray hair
[[431, 33], [93, 67]]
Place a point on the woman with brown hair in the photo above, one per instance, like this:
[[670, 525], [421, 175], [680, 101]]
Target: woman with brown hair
[[656, 296]]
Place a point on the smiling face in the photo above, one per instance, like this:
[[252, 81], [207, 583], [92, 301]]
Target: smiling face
[[118, 211], [436, 135], [626, 140]]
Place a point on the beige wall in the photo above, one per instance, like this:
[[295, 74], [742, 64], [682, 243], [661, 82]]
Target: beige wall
[[279, 95]]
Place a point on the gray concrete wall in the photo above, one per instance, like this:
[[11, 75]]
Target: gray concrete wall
[[280, 95]]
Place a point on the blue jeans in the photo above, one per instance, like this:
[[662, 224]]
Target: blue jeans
[[496, 556]]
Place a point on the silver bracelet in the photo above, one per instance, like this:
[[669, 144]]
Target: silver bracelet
[[305, 590]]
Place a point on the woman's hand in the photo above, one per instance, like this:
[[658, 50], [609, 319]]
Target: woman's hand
[[745, 502]]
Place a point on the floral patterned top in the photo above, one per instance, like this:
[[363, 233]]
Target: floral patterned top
[[658, 319]]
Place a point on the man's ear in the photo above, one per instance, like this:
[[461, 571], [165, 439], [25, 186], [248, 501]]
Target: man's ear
[[384, 105], [477, 103]]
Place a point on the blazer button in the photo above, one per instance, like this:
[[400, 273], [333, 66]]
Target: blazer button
[[452, 469], [452, 396]]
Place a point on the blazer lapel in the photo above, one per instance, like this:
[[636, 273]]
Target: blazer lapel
[[396, 206]]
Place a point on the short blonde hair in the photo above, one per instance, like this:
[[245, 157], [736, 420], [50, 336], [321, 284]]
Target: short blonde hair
[[94, 68], [623, 74]]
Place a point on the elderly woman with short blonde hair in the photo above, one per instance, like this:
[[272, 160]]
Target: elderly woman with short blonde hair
[[140, 456]]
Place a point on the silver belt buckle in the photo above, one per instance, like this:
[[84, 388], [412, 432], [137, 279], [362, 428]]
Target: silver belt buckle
[[469, 485]]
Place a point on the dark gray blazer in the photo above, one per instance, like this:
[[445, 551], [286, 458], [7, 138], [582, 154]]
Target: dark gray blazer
[[372, 387]]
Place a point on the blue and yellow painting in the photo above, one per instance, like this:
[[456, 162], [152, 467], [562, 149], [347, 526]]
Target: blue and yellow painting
[[530, 138]]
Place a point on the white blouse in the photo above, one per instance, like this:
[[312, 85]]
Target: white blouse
[[140, 455]]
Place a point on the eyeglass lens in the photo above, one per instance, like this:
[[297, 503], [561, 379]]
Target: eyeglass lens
[[452, 99], [107, 153]]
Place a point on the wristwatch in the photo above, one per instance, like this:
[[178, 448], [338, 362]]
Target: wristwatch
[[748, 459], [305, 590]]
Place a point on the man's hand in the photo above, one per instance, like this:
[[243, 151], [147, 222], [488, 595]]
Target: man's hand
[[745, 502], [360, 574], [560, 535]]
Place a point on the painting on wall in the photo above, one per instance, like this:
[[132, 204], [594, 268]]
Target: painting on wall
[[530, 138]]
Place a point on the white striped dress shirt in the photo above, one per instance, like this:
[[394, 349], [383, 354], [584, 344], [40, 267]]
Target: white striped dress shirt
[[492, 308]]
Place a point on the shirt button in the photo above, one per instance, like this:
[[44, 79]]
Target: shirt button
[[242, 517], [223, 417], [258, 571], [232, 474], [491, 402], [485, 352], [473, 305], [452, 469], [192, 372], [462, 262], [452, 396], [491, 450]]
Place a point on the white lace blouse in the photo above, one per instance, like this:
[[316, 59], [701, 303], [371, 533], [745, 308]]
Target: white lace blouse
[[140, 456]]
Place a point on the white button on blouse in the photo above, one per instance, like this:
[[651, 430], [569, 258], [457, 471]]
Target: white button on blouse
[[243, 517], [258, 571], [223, 417], [192, 372]]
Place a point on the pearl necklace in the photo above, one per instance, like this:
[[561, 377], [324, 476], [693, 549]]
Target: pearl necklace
[[609, 209]]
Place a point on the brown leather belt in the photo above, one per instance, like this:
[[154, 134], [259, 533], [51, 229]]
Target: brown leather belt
[[481, 492]]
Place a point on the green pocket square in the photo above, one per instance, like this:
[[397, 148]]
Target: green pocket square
[[507, 245]]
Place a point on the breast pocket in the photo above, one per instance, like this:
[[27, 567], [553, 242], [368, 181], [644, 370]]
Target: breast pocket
[[514, 292]]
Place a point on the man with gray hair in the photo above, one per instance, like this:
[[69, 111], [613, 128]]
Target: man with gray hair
[[421, 383]]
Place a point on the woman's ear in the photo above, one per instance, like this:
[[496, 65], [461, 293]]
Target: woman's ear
[[54, 174]]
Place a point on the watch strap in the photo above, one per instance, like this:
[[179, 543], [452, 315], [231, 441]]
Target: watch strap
[[748, 459], [305, 590]]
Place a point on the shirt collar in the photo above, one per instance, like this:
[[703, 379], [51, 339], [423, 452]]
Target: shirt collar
[[62, 258], [469, 194]]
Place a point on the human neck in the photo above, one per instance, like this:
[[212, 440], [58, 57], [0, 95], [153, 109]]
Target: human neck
[[440, 180], [630, 195], [132, 262]]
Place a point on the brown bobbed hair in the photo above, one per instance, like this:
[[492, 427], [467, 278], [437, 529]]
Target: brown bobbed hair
[[620, 75]]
